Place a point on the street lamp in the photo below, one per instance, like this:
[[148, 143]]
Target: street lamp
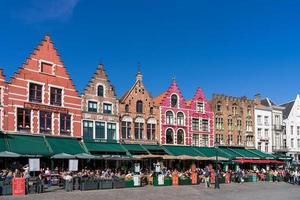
[[216, 165]]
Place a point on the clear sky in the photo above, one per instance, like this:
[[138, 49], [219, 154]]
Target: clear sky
[[232, 47]]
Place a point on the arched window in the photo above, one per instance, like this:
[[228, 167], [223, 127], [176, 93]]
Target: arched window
[[169, 117], [180, 119], [180, 136], [151, 126], [169, 136], [139, 106], [174, 100], [249, 110], [100, 91], [151, 110], [127, 108]]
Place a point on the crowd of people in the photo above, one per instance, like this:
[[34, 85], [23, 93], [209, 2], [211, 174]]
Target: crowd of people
[[204, 174]]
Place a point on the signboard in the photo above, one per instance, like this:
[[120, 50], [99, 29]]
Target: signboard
[[137, 167], [34, 164], [157, 167], [18, 187], [175, 180], [194, 178], [73, 165], [161, 179], [136, 180]]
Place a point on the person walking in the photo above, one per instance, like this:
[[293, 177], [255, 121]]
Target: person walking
[[207, 177], [218, 179]]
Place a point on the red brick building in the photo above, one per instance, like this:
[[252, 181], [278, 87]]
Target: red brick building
[[41, 98]]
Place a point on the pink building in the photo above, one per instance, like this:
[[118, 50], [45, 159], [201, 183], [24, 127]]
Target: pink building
[[201, 124], [184, 122]]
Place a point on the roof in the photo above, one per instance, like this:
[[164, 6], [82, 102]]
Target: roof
[[267, 102], [288, 107], [157, 100]]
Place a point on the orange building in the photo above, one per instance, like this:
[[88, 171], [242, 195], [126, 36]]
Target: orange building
[[41, 98]]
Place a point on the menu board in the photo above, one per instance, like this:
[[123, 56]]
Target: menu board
[[136, 180], [161, 179], [34, 164], [157, 167], [73, 165], [137, 167]]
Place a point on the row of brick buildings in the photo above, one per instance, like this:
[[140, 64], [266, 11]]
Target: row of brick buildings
[[41, 99]]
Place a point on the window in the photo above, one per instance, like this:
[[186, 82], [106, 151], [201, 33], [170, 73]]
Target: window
[[180, 136], [180, 119], [151, 110], [239, 139], [234, 110], [204, 125], [55, 96], [230, 124], [219, 139], [230, 139], [259, 146], [239, 124], [249, 126], [169, 117], [266, 121], [266, 133], [100, 130], [169, 136], [45, 122], [46, 67], [139, 107], [111, 131], [292, 130], [127, 108], [138, 130], [107, 108], [267, 147], [284, 143], [174, 101], [259, 120], [219, 106], [298, 143], [204, 140], [92, 106], [249, 111], [100, 91], [259, 133], [65, 124], [35, 93], [195, 124], [195, 141], [88, 129], [277, 120], [200, 107], [298, 130], [292, 143], [126, 128], [219, 123], [23, 119], [151, 131]]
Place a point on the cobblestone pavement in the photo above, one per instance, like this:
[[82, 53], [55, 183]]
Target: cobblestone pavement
[[253, 191]]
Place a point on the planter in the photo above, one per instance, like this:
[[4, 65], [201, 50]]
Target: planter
[[76, 183], [105, 184], [6, 187], [185, 181], [167, 181], [129, 184], [89, 184], [68, 185], [118, 183]]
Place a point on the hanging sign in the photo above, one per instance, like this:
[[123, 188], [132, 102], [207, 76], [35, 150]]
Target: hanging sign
[[73, 165], [175, 180], [34, 164]]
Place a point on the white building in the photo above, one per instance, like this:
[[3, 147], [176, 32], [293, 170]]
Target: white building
[[291, 123]]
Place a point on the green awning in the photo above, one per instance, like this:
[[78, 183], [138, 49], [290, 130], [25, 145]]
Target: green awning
[[8, 154], [65, 145], [63, 156], [2, 143], [183, 150], [262, 154], [247, 154], [211, 152], [105, 148], [135, 149], [27, 145], [84, 156], [156, 149], [230, 154]]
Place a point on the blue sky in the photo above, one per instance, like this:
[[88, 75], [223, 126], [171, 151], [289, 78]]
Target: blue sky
[[232, 47]]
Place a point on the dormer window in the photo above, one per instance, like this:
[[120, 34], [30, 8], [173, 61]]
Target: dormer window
[[46, 67], [174, 100]]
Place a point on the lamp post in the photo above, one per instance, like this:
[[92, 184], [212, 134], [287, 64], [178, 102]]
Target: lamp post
[[216, 166]]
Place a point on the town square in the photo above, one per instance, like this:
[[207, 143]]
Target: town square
[[149, 100]]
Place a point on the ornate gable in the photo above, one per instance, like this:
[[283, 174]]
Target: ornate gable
[[166, 99]]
